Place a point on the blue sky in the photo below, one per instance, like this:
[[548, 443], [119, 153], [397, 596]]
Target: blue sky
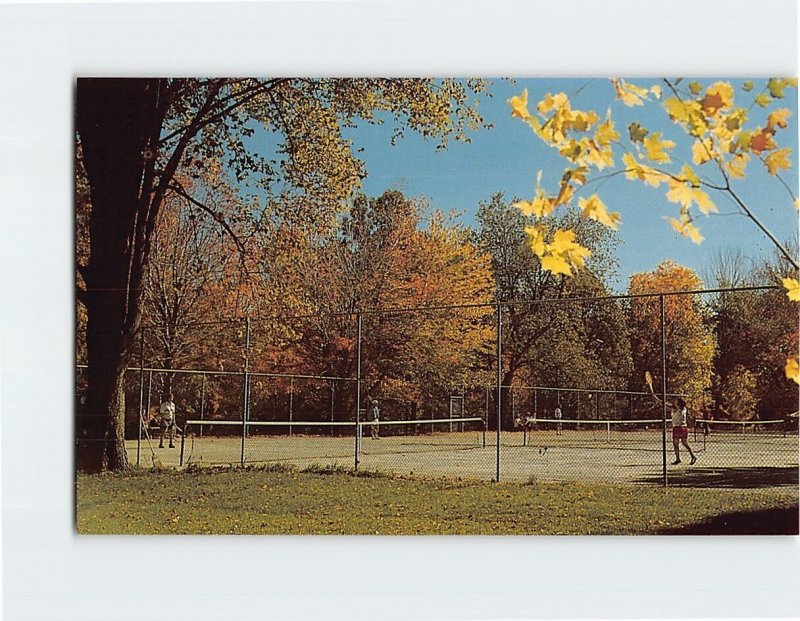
[[507, 158]]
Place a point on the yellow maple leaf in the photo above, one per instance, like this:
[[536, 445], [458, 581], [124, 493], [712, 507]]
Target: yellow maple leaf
[[702, 151], [556, 264], [792, 370], [719, 96], [762, 141], [594, 209], [581, 121], [689, 175], [778, 118], [737, 165], [778, 160], [656, 90], [792, 287], [564, 244], [536, 236], [591, 155], [685, 227], [656, 148], [688, 113], [606, 134], [552, 102], [630, 94], [539, 207], [636, 170], [575, 174], [564, 194], [703, 201], [679, 192], [519, 105]]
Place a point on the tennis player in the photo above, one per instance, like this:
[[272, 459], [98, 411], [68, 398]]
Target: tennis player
[[167, 423], [375, 414], [680, 430], [557, 413]]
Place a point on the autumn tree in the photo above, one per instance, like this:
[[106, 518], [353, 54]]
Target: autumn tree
[[138, 135], [384, 255], [687, 333], [583, 344], [755, 332]]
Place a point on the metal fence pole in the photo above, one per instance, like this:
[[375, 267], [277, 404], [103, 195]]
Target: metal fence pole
[[291, 403], [202, 404], [499, 385], [663, 392], [358, 388], [245, 395], [141, 397], [149, 393], [332, 398]]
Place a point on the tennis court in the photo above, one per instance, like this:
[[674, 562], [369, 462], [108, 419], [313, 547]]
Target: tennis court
[[610, 451]]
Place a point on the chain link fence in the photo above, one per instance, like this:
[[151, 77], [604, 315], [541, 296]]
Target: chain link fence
[[420, 392]]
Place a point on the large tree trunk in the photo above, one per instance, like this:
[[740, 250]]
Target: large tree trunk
[[115, 123]]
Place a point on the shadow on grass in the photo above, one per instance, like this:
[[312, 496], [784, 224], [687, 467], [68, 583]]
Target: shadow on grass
[[742, 478], [778, 521]]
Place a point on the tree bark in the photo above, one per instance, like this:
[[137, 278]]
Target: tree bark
[[115, 122]]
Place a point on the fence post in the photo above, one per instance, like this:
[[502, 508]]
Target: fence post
[[291, 403], [202, 404], [499, 402], [149, 393], [141, 397], [358, 388], [332, 400], [245, 387], [663, 392]]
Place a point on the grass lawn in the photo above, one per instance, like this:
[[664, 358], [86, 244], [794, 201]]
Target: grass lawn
[[280, 501]]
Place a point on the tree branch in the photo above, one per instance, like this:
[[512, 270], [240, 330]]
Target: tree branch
[[175, 187]]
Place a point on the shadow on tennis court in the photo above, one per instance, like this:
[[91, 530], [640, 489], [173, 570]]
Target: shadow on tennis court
[[744, 478], [782, 521]]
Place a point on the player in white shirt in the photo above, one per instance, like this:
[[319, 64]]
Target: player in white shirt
[[166, 414], [680, 430]]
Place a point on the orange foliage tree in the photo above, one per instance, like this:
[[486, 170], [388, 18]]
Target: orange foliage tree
[[688, 335]]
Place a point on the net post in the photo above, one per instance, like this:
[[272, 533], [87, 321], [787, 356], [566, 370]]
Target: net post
[[608, 432], [183, 440], [358, 389], [499, 402], [141, 398], [663, 391]]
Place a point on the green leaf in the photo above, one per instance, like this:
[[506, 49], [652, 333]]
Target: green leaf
[[637, 132], [747, 86], [695, 88]]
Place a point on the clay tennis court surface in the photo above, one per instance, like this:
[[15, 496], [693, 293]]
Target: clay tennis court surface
[[724, 460]]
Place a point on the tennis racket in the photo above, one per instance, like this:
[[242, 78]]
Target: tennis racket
[[648, 378]]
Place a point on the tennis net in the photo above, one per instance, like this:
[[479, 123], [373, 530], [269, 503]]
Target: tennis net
[[642, 434], [744, 430], [310, 442]]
